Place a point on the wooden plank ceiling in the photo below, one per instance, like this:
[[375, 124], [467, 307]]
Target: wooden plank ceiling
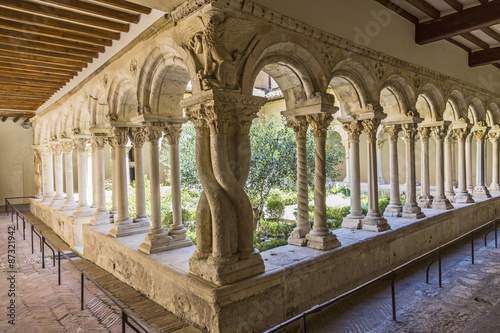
[[473, 25], [45, 43]]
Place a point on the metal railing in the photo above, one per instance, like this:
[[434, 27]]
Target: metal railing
[[392, 274], [126, 317]]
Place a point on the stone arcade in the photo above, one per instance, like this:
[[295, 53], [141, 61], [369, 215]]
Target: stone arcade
[[222, 283]]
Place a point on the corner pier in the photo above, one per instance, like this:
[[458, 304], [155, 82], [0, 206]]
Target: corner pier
[[295, 278]]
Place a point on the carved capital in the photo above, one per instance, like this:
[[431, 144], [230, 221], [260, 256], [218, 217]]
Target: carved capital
[[67, 146], [46, 150], [353, 129], [392, 132], [409, 131], [245, 118], [494, 137], [119, 136], [153, 131], [137, 136], [370, 126], [173, 133], [439, 132], [299, 126], [99, 140], [374, 107], [461, 133], [480, 135], [56, 148], [320, 122], [380, 143], [425, 133], [80, 144]]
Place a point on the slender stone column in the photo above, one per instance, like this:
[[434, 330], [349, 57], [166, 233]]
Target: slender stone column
[[347, 147], [380, 174], [90, 156], [355, 217], [394, 209], [425, 198], [440, 201], [137, 138], [485, 169], [448, 159], [37, 164], [453, 165], [58, 168], [373, 221], [461, 133], [157, 240], [83, 209], [69, 203], [480, 191], [320, 237], [495, 138], [48, 171], [114, 191], [101, 215], [298, 235], [468, 163], [411, 209], [177, 230]]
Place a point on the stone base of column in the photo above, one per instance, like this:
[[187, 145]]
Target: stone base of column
[[413, 212], [455, 184], [381, 181], [481, 192], [470, 189], [158, 240], [441, 203], [47, 199], [57, 200], [83, 211], [68, 205], [100, 217], [323, 241], [425, 201], [450, 195], [375, 223], [223, 271], [142, 219], [352, 222], [93, 206], [494, 189], [127, 228], [463, 197], [298, 237], [393, 211]]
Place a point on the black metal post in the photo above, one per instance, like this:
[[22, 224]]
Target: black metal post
[[393, 290], [472, 245], [24, 229], [439, 264], [43, 251], [59, 268], [304, 324], [83, 277], [124, 320], [32, 244]]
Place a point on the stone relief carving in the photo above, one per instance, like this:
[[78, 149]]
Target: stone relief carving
[[133, 66], [37, 163]]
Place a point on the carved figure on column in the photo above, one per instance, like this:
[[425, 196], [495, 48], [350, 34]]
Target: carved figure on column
[[37, 165], [320, 237], [226, 254], [425, 198], [298, 235]]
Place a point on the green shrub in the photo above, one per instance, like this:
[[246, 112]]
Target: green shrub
[[271, 244], [277, 229], [342, 190], [187, 216], [335, 216], [275, 208], [383, 202]]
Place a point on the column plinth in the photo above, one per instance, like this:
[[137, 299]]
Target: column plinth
[[440, 201]]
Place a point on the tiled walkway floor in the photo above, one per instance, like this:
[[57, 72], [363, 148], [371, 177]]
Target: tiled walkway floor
[[44, 306]]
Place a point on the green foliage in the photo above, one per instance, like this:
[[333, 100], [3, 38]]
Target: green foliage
[[335, 215], [270, 244], [277, 229], [275, 208], [383, 202], [187, 215], [338, 188]]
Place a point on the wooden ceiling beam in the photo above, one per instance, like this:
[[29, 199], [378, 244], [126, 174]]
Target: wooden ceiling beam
[[455, 4], [425, 7], [127, 5], [4, 119], [460, 45], [20, 113], [399, 10], [28, 75], [15, 97], [56, 33], [469, 19], [15, 120], [26, 59], [44, 47], [60, 24], [20, 106], [96, 9], [30, 83], [25, 36], [492, 33], [64, 14], [37, 68], [484, 57], [16, 87], [55, 55], [476, 40]]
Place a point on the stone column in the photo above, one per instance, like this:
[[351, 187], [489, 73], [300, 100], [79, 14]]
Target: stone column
[[157, 240], [298, 235], [177, 230], [468, 163], [373, 221], [394, 209], [37, 165], [462, 195], [137, 138], [480, 191], [448, 165], [101, 215], [411, 209], [83, 209], [347, 147], [89, 154], [320, 238], [355, 217], [425, 198], [114, 188], [453, 164], [69, 203], [495, 185], [58, 168], [380, 145], [440, 201], [122, 224], [48, 171]]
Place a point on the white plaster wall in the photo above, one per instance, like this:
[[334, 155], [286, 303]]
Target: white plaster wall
[[17, 175]]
